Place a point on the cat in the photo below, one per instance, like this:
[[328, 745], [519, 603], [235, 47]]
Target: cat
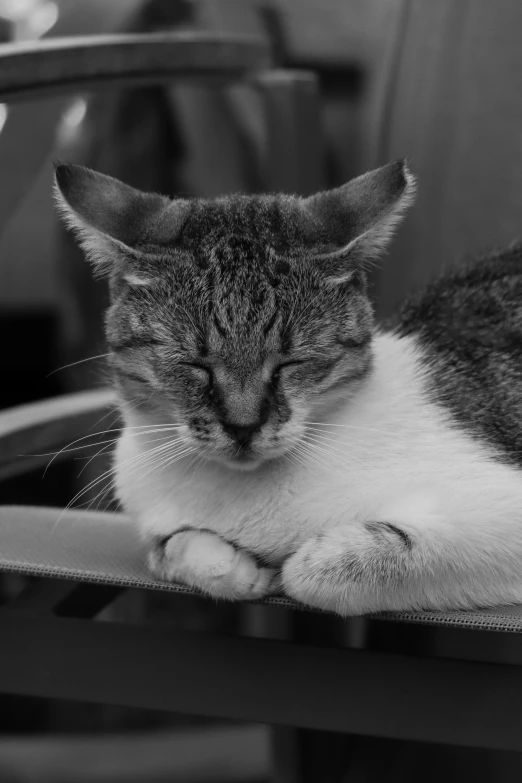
[[275, 438]]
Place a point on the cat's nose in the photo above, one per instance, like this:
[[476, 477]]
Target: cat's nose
[[242, 433]]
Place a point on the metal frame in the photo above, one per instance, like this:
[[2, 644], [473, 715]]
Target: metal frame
[[445, 701], [76, 64]]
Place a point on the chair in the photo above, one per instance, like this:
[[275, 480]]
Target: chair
[[56, 640], [49, 634]]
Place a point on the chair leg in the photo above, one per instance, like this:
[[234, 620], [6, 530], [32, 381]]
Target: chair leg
[[305, 756]]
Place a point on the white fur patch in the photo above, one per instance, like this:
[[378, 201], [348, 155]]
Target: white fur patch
[[387, 454]]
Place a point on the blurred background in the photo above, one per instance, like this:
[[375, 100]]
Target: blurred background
[[439, 83]]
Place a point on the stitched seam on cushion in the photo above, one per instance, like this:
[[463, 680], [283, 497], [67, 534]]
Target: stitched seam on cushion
[[33, 569]]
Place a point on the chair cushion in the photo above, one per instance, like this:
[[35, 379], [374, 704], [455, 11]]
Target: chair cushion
[[105, 548]]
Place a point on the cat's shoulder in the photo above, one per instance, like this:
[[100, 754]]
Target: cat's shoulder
[[480, 295], [467, 329]]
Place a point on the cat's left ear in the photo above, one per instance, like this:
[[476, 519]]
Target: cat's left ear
[[111, 219], [355, 222]]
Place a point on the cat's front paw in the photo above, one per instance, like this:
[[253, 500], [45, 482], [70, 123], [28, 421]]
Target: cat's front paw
[[205, 561], [305, 575], [370, 568]]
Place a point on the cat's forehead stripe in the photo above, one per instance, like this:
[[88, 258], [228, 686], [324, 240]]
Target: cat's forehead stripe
[[268, 327], [253, 217]]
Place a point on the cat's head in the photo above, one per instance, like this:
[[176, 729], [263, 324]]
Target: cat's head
[[240, 318]]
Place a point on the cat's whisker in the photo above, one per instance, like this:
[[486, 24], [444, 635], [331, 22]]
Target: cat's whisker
[[348, 426], [324, 437], [342, 469], [66, 450], [80, 361], [109, 472], [106, 476], [102, 494], [309, 458], [190, 462], [309, 455], [190, 450], [69, 446], [334, 444], [100, 497], [322, 456], [119, 408], [144, 460], [110, 442], [198, 460], [113, 410], [334, 438], [291, 459], [166, 451], [103, 450], [83, 447], [294, 459], [139, 462], [331, 436], [168, 460], [206, 457], [330, 447], [288, 455], [166, 425]]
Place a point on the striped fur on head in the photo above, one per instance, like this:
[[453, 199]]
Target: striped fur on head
[[240, 317]]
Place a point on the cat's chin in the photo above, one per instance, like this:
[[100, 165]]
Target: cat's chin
[[246, 463], [242, 465]]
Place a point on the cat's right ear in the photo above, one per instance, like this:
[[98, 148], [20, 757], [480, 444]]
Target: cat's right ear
[[112, 219], [356, 221]]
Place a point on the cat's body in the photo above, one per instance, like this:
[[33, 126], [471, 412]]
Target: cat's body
[[399, 482], [397, 458]]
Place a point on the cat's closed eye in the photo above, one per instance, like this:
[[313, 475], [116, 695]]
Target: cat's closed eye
[[202, 371], [279, 368]]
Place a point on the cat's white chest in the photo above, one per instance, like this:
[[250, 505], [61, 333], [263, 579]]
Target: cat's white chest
[[389, 454]]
